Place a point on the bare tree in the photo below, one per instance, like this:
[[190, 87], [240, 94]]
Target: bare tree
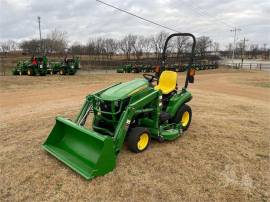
[[203, 43], [216, 47], [90, 47], [254, 49], [138, 46], [181, 43], [127, 44], [31, 46], [158, 42], [78, 48], [57, 41], [99, 46], [147, 46], [110, 46], [8, 46], [143, 46]]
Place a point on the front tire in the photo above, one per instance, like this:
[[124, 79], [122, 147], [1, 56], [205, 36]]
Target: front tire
[[138, 139], [30, 72], [62, 72], [183, 116]]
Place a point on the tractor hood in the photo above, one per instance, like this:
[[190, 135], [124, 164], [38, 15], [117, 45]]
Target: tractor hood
[[124, 90]]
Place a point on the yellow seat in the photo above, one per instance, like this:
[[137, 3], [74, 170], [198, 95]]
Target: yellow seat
[[167, 82]]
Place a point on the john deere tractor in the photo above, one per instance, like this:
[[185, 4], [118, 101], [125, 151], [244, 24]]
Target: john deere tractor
[[38, 66], [133, 112], [53, 67], [66, 66], [69, 66], [21, 68]]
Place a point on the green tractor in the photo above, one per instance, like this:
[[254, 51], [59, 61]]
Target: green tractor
[[21, 68], [53, 68], [69, 66], [120, 69], [128, 68], [136, 68], [133, 112], [38, 66]]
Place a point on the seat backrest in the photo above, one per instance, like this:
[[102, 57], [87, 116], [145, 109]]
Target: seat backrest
[[168, 80]]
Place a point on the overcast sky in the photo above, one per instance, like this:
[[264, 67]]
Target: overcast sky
[[82, 19]]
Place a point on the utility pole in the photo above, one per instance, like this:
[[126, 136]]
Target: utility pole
[[234, 40], [39, 33], [243, 50]]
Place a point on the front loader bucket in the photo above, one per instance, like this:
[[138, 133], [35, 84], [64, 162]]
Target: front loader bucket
[[88, 153]]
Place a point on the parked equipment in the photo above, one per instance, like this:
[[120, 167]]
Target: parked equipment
[[66, 66], [69, 66], [135, 112], [54, 67], [34, 66], [38, 66], [21, 68]]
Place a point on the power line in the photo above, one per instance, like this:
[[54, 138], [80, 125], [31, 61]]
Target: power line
[[149, 21], [144, 19], [203, 12]]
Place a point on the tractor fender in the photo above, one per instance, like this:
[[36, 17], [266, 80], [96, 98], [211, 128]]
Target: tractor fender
[[177, 101]]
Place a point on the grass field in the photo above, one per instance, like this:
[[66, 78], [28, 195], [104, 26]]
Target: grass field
[[223, 156]]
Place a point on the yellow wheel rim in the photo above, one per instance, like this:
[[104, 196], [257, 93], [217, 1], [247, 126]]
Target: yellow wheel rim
[[185, 119], [143, 141], [28, 72]]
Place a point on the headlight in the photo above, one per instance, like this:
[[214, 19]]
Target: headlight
[[72, 66], [41, 66]]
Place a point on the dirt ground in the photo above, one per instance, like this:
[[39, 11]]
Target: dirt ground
[[223, 156]]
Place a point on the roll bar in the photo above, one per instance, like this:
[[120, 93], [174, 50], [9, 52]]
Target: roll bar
[[163, 59]]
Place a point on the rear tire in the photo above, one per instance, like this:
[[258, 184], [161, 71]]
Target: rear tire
[[138, 139], [183, 116]]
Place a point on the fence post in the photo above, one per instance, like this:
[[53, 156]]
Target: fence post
[[250, 66], [260, 67]]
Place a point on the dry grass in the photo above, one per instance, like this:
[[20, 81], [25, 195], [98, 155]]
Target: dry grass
[[223, 156]]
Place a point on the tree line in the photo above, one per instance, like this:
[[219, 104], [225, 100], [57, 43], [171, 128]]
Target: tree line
[[131, 45], [137, 46]]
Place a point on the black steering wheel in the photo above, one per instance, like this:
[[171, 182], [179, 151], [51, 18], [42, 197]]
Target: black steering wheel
[[149, 77]]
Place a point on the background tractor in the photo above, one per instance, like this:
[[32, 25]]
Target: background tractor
[[53, 67], [66, 66], [21, 68], [38, 66], [133, 112], [69, 66]]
